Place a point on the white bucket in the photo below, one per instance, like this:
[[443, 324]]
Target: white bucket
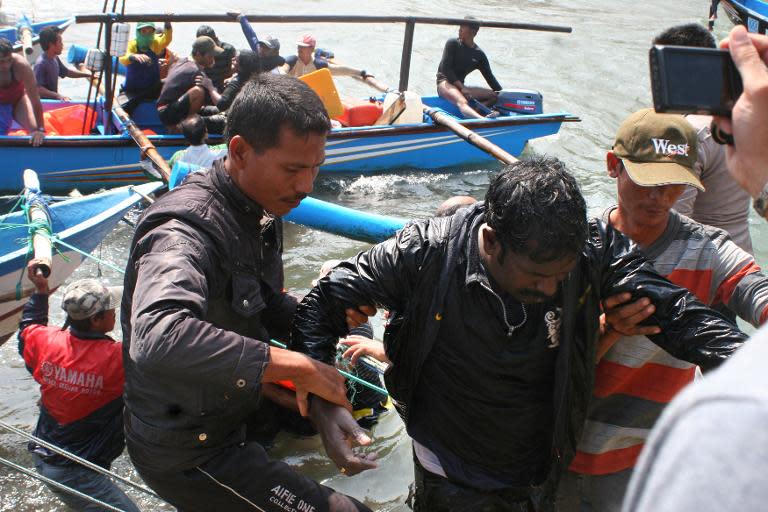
[[94, 60], [121, 33]]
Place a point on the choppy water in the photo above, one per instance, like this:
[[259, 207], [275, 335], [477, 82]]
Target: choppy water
[[599, 72]]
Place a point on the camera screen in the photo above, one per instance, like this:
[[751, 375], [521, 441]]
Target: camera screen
[[698, 80]]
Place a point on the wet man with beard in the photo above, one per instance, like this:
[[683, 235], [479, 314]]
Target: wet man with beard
[[494, 343]]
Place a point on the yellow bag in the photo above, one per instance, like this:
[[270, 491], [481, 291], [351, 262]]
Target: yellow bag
[[321, 82]]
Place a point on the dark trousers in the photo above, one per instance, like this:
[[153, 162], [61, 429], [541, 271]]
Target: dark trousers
[[435, 493], [242, 477]]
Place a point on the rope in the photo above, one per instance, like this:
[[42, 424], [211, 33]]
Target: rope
[[54, 483], [79, 460], [353, 378]]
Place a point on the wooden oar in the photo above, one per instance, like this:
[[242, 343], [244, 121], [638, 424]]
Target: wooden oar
[[462, 131], [468, 135], [37, 212], [145, 145]]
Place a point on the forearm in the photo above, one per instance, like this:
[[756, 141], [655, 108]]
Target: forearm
[[47, 93], [249, 33]]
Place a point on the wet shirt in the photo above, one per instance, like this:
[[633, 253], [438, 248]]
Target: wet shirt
[[48, 71], [460, 60], [484, 400]]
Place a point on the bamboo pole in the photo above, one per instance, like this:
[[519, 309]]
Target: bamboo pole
[[37, 212], [145, 145]]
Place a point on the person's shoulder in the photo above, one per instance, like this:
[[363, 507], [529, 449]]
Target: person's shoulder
[[40, 60], [291, 60], [696, 231], [453, 42]]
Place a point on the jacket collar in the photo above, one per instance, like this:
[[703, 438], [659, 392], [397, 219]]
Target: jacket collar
[[243, 205], [476, 271]]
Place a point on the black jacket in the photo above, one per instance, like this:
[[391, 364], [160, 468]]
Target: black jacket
[[203, 295], [409, 274]]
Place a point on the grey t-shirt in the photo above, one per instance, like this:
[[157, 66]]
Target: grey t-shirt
[[709, 450], [724, 204]]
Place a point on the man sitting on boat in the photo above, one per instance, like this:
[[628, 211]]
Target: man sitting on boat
[[267, 48], [204, 294], [19, 99], [461, 56], [307, 61], [653, 160], [49, 68], [187, 89], [222, 64], [493, 351], [80, 372], [142, 61]]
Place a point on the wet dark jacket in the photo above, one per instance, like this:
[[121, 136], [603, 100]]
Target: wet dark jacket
[[203, 295], [409, 274]]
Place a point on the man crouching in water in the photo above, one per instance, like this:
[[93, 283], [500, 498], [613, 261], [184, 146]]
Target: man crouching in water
[[204, 295]]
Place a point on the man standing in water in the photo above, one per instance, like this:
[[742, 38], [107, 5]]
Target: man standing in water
[[493, 349], [203, 297], [653, 160], [461, 56]]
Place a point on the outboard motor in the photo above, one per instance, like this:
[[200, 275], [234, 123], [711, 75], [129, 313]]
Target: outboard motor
[[519, 101]]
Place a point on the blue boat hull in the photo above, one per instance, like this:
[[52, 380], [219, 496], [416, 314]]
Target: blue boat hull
[[80, 222], [751, 13], [93, 162]]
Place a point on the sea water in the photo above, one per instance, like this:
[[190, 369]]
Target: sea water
[[599, 73]]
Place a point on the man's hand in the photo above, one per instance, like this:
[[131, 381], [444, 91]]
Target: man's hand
[[361, 346], [37, 276], [234, 14], [338, 430], [747, 159], [204, 82], [309, 376], [36, 138], [140, 58], [357, 317], [621, 318]]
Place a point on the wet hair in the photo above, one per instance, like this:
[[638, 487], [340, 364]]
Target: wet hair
[[83, 325], [248, 63], [690, 34], [48, 36], [268, 102], [536, 208], [193, 129], [5, 47], [207, 30]]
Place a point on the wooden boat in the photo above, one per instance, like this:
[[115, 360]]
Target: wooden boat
[[88, 162], [93, 156], [751, 13], [13, 34], [80, 222]]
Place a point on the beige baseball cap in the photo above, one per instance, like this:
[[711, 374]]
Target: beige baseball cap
[[658, 149]]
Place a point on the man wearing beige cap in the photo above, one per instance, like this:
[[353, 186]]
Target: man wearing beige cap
[[186, 89], [80, 372], [653, 161]]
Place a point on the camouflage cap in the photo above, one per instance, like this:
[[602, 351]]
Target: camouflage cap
[[86, 297]]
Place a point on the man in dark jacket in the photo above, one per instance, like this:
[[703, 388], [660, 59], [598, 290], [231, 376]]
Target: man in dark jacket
[[493, 353], [203, 297], [80, 373]]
